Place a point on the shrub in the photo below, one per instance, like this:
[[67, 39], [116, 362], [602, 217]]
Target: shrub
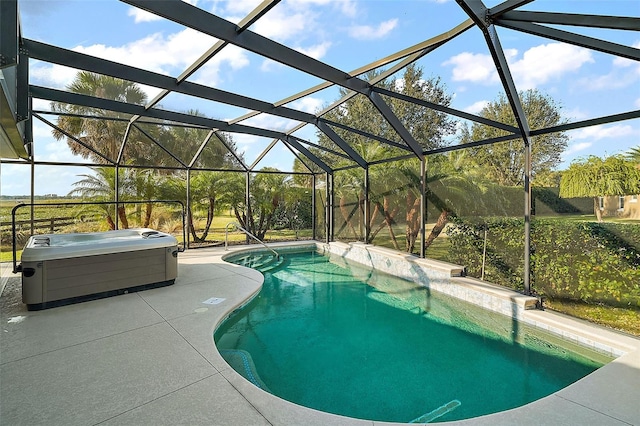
[[592, 262]]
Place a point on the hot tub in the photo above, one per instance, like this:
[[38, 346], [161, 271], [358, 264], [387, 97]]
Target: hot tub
[[66, 268]]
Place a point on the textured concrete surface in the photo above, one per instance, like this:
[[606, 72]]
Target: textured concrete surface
[[149, 358]]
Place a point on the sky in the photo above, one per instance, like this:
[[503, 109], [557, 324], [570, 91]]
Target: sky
[[346, 34]]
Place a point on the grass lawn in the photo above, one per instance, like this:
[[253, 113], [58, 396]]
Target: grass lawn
[[588, 218], [622, 319]]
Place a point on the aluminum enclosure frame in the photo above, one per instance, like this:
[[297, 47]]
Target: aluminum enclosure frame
[[486, 20]]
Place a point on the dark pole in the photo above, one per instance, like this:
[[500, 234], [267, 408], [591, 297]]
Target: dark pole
[[423, 205], [367, 213], [527, 216], [117, 194], [329, 212], [313, 206], [189, 219], [247, 195]]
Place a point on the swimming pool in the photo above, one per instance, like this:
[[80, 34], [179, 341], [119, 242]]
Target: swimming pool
[[351, 341]]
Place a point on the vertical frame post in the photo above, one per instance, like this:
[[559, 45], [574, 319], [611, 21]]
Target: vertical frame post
[[247, 196], [423, 206], [527, 216], [32, 189], [313, 206], [189, 218], [10, 34], [329, 208], [367, 213], [116, 190]]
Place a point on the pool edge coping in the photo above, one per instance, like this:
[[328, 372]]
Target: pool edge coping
[[628, 346]]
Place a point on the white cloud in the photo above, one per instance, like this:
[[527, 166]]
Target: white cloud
[[476, 107], [624, 62], [624, 73], [612, 80], [267, 121], [179, 49], [57, 180], [577, 147], [41, 105], [249, 145], [317, 51], [281, 26], [548, 62], [604, 132], [637, 103], [49, 75], [284, 22], [308, 104], [55, 151], [576, 114], [140, 15], [42, 130], [368, 32], [269, 65], [473, 67], [241, 7], [538, 65], [16, 179], [347, 7], [231, 56]]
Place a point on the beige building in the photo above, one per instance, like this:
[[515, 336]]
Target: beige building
[[624, 206]]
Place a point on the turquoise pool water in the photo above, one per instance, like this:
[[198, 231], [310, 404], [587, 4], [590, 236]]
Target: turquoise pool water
[[344, 339]]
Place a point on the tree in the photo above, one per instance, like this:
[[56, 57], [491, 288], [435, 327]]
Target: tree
[[184, 142], [456, 187], [267, 194], [208, 188], [504, 162], [428, 126], [296, 211], [102, 136], [101, 187], [634, 155], [393, 185], [596, 177]]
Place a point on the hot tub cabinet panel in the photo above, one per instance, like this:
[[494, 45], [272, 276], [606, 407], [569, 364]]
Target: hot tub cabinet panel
[[89, 266]]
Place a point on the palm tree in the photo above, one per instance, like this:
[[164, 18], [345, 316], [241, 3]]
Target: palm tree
[[142, 183], [100, 136], [184, 142], [267, 194], [349, 190], [206, 189], [634, 155], [100, 187], [455, 188]]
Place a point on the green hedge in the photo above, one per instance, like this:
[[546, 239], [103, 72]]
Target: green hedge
[[546, 201], [592, 262], [509, 202]]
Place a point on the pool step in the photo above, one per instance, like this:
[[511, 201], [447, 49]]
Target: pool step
[[260, 261]]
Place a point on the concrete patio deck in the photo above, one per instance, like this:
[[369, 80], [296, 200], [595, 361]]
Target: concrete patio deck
[[148, 358]]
